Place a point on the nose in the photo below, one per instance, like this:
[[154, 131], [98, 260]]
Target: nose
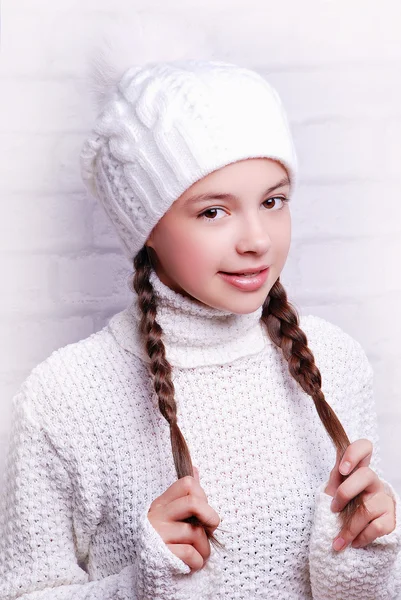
[[254, 236]]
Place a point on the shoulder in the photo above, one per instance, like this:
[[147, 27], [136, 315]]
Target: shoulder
[[73, 377], [347, 378], [321, 330], [83, 354], [343, 354]]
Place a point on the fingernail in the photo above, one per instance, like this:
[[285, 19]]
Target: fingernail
[[338, 543], [345, 468]]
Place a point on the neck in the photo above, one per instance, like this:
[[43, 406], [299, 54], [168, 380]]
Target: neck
[[194, 334]]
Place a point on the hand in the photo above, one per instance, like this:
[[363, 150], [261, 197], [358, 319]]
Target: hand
[[362, 479], [183, 499]]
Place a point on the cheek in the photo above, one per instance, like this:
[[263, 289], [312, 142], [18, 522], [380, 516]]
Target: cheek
[[281, 241], [195, 257], [184, 251]]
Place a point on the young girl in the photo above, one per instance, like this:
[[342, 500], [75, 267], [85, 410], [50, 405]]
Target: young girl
[[209, 365]]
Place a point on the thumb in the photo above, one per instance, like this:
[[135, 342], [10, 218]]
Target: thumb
[[196, 473]]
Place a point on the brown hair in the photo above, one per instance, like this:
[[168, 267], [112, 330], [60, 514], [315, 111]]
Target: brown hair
[[282, 324]]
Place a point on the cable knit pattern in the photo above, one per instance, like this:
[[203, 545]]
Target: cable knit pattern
[[165, 125], [89, 451]]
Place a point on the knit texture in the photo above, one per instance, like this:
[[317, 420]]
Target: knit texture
[[165, 125], [89, 452]]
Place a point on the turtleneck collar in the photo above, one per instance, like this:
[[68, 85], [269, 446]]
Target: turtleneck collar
[[194, 334]]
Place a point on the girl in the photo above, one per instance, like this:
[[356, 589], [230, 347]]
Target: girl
[[209, 365]]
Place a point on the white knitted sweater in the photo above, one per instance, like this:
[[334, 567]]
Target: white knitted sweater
[[89, 451]]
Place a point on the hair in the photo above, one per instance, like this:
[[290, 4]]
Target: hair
[[282, 324], [279, 317]]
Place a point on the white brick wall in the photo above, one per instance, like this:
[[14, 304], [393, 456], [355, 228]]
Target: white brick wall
[[336, 65]]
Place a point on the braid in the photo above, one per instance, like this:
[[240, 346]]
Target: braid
[[160, 370], [282, 324]]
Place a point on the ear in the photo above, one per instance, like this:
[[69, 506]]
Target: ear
[[149, 241]]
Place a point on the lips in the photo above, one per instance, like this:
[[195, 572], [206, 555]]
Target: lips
[[248, 282], [246, 271]]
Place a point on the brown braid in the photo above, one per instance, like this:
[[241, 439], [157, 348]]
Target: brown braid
[[160, 370], [282, 324]]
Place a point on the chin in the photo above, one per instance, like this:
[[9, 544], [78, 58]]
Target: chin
[[246, 306]]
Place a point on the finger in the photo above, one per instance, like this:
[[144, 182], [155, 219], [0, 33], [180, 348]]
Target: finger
[[184, 486], [196, 473], [362, 480], [186, 533], [382, 524], [188, 554], [191, 485], [188, 506], [335, 478], [360, 527], [358, 454]]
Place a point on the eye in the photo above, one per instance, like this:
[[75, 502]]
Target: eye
[[209, 210], [283, 199]]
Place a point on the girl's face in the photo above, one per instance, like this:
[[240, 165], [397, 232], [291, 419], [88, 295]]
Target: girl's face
[[248, 229]]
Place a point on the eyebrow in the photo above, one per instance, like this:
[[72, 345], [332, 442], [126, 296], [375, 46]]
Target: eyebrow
[[212, 196]]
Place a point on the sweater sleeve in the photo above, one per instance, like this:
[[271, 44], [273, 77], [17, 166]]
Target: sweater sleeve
[[373, 571], [38, 545]]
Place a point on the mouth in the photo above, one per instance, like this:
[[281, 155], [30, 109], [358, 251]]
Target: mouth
[[246, 273], [246, 281]]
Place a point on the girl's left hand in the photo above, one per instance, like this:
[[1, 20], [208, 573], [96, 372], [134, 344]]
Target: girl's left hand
[[362, 479]]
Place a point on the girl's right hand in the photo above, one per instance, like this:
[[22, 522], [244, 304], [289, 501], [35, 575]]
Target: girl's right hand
[[183, 499]]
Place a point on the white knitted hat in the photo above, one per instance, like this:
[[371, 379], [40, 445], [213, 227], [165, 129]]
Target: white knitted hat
[[166, 125]]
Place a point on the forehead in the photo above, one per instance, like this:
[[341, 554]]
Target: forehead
[[250, 176], [199, 198]]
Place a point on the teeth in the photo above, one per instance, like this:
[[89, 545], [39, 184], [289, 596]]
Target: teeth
[[246, 274]]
